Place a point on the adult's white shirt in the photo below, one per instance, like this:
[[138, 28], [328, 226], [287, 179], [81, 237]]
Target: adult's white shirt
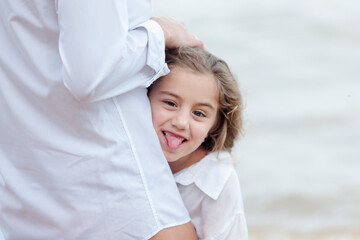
[[211, 192], [79, 158]]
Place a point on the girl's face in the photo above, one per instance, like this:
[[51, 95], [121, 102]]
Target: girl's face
[[184, 107]]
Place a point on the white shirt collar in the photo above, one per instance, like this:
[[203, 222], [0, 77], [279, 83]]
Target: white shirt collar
[[209, 174]]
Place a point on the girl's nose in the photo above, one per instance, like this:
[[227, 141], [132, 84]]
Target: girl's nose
[[181, 120]]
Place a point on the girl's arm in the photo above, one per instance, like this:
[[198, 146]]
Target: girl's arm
[[181, 232]]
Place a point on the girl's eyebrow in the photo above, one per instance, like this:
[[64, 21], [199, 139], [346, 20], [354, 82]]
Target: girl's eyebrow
[[170, 93], [205, 104]]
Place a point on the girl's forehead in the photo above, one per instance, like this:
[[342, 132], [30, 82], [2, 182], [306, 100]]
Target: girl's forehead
[[179, 73], [189, 84], [186, 69]]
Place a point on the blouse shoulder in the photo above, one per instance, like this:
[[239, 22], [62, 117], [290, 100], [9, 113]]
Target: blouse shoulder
[[224, 217], [211, 192], [210, 174]]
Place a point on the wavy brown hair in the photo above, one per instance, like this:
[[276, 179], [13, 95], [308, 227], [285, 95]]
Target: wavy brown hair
[[228, 125]]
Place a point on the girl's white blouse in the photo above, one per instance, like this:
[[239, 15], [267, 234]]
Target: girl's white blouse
[[211, 192]]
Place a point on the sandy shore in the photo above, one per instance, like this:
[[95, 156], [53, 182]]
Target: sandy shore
[[276, 233]]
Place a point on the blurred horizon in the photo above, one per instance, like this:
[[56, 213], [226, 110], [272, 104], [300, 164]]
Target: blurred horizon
[[297, 66]]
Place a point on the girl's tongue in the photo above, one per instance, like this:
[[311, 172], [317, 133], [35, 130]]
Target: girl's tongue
[[172, 140]]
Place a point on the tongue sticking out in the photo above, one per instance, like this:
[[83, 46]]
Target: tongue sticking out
[[173, 141]]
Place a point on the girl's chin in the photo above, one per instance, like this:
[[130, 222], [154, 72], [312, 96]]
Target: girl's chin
[[170, 158]]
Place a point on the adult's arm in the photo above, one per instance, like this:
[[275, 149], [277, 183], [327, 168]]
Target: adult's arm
[[102, 56]]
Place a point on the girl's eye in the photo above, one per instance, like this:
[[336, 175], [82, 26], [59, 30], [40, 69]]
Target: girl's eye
[[170, 103], [199, 114]]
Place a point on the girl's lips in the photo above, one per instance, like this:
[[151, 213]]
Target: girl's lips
[[173, 141]]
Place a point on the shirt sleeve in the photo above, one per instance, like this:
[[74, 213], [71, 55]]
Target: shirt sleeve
[[102, 56], [224, 218]]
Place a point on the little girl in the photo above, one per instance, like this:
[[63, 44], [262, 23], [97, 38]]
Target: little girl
[[197, 115]]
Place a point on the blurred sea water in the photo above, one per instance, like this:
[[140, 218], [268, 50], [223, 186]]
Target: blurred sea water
[[297, 63]]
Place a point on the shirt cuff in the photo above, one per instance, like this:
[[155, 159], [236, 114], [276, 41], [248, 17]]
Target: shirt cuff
[[156, 45]]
